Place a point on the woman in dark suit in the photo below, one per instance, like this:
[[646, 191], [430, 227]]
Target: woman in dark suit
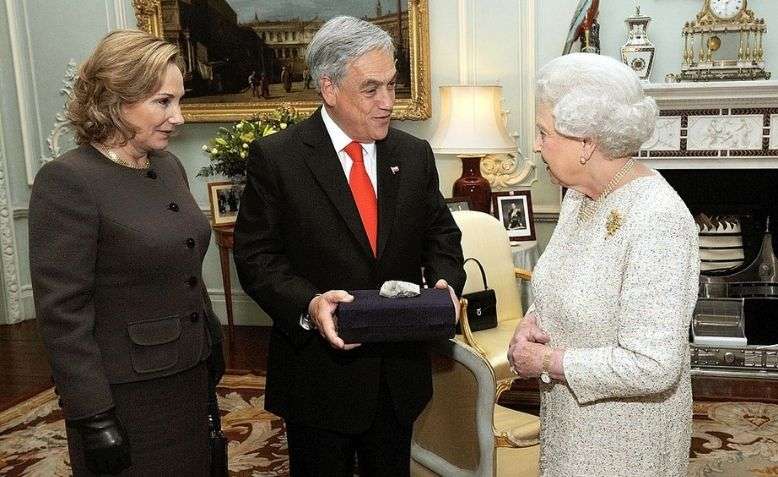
[[116, 250]]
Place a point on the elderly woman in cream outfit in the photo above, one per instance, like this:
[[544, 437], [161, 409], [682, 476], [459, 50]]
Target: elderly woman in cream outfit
[[615, 288]]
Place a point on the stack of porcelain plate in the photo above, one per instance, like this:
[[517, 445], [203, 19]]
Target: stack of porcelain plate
[[721, 243]]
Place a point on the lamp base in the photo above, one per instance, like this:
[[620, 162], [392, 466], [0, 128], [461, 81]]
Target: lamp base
[[473, 185]]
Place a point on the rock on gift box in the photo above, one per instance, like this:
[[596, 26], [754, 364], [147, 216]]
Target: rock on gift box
[[373, 318]]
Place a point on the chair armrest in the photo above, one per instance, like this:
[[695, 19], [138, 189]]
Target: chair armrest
[[522, 273], [467, 333]]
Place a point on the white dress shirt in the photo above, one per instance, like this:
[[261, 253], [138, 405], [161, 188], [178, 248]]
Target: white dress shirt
[[340, 140]]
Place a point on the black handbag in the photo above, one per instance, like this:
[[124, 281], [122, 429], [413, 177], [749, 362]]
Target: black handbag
[[481, 305]]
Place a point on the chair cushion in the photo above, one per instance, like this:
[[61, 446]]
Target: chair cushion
[[521, 428], [524, 461]]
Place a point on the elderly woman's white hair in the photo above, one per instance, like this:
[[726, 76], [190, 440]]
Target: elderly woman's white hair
[[596, 97]]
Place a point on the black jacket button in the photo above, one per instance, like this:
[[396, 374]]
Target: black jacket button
[[191, 281], [173, 206], [194, 317], [151, 174], [190, 242]]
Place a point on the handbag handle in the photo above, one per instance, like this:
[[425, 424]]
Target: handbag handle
[[480, 267]]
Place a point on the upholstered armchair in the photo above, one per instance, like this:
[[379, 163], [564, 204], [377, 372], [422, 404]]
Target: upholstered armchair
[[462, 431], [485, 238]]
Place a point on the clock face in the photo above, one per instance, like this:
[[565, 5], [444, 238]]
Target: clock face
[[726, 9]]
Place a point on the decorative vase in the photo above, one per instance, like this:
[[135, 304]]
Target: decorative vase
[[638, 52], [473, 185]]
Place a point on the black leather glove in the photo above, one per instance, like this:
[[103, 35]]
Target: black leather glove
[[105, 442]]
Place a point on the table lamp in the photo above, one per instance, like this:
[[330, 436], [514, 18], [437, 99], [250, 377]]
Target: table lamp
[[472, 126]]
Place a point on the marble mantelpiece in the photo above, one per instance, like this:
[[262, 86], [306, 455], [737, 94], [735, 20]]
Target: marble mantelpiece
[[719, 125]]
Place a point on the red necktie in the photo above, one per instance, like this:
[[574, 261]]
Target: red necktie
[[364, 195]]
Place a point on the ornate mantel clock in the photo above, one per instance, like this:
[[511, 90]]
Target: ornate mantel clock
[[724, 42]]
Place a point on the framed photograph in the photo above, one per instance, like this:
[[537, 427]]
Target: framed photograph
[[225, 201], [247, 57], [458, 203], [514, 210]]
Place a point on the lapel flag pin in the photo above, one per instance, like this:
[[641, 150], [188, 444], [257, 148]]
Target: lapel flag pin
[[395, 169]]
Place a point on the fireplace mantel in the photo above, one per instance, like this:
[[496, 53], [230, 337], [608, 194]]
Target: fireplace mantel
[[714, 125]]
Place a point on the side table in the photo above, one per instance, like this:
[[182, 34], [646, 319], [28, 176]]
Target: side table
[[225, 236]]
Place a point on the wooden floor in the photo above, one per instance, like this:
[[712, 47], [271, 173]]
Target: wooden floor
[[25, 371]]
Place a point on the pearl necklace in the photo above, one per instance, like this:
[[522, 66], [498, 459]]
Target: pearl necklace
[[111, 154], [589, 207]]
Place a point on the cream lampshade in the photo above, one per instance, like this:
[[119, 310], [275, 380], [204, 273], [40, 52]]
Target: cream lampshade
[[472, 126]]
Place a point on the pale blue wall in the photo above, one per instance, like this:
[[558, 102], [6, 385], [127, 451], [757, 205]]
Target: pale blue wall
[[54, 31], [668, 18]]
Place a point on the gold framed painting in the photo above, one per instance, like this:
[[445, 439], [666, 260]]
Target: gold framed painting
[[247, 57]]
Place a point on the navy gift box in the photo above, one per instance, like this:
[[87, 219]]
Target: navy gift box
[[373, 318]]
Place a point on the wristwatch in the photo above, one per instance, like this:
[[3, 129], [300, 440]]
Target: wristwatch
[[306, 322], [544, 374]]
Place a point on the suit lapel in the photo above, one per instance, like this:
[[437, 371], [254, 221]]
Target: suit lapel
[[388, 175], [325, 166]]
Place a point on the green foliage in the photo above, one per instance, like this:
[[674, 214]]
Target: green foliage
[[229, 149]]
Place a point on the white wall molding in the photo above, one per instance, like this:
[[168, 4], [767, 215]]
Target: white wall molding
[[714, 93], [119, 18], [244, 310], [467, 49], [28, 304], [24, 75], [10, 260], [61, 123], [527, 175]]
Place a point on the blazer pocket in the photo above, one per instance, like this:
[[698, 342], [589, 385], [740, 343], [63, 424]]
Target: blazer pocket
[[154, 344]]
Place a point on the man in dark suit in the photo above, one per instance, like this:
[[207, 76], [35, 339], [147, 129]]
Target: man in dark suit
[[342, 202]]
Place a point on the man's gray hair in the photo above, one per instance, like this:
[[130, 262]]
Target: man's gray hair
[[341, 40], [597, 97]]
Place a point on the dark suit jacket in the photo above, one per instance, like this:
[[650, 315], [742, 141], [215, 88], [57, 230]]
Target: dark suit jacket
[[116, 257], [299, 234]]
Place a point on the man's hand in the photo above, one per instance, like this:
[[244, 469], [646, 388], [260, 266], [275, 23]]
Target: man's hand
[[443, 284], [322, 311]]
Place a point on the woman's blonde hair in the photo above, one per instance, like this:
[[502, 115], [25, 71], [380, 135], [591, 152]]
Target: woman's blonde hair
[[126, 67]]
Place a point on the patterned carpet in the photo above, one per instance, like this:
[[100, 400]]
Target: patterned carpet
[[729, 440], [32, 434], [736, 439]]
